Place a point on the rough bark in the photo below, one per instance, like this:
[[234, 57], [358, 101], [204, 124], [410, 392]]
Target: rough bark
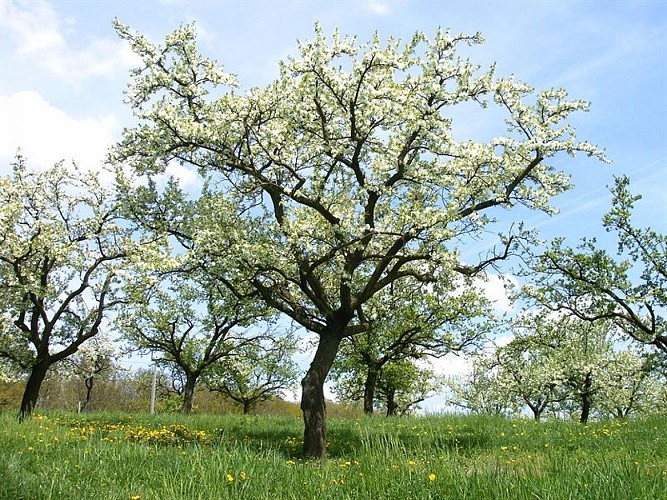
[[247, 405], [392, 407], [189, 392], [586, 399], [369, 390], [313, 404], [32, 387]]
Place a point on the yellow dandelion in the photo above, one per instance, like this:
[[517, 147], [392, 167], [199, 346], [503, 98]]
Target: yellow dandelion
[[243, 476], [229, 478], [432, 477]]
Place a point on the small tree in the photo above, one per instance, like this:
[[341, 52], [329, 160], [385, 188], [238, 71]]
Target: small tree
[[343, 177], [256, 373], [528, 372], [408, 325], [478, 391], [403, 385], [187, 321], [61, 248], [93, 359]]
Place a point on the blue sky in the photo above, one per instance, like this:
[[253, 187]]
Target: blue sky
[[63, 72]]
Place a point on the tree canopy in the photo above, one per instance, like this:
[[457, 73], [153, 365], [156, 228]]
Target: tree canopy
[[62, 250], [346, 169]]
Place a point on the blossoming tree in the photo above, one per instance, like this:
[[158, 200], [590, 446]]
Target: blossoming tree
[[61, 249], [345, 174]]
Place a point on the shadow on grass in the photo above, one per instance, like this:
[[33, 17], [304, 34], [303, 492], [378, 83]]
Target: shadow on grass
[[284, 436], [346, 441]]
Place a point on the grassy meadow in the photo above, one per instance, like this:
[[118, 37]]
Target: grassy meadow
[[139, 457]]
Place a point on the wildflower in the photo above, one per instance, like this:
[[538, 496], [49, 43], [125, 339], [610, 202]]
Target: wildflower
[[229, 478], [432, 477], [243, 476], [411, 462], [135, 497]]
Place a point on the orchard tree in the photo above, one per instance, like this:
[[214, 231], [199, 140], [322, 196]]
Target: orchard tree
[[344, 177], [408, 324], [633, 385], [478, 391], [187, 321], [93, 360], [403, 384], [256, 373], [629, 288], [528, 372], [61, 248]]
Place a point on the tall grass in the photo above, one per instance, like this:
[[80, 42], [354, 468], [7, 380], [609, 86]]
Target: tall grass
[[137, 456]]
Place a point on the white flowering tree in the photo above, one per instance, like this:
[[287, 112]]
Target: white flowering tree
[[61, 248], [346, 172], [589, 282], [479, 391], [633, 386], [95, 358]]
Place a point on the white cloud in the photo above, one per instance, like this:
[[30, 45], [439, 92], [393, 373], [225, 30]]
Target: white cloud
[[46, 134], [452, 364], [37, 33], [187, 177], [378, 7], [494, 288]]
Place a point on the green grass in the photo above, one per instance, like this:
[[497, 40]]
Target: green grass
[[136, 456]]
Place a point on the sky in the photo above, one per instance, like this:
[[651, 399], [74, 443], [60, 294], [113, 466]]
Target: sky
[[63, 71]]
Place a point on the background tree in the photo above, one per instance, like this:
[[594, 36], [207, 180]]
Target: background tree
[[634, 386], [61, 249], [478, 391], [404, 384], [344, 173], [187, 321], [256, 372], [408, 324], [94, 360], [630, 289], [528, 372]]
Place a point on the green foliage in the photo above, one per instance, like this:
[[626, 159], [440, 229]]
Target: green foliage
[[256, 372], [629, 288]]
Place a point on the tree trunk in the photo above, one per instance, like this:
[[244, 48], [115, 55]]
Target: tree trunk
[[312, 397], [246, 406], [89, 381], [189, 392], [391, 402], [586, 399], [369, 390], [32, 387]]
